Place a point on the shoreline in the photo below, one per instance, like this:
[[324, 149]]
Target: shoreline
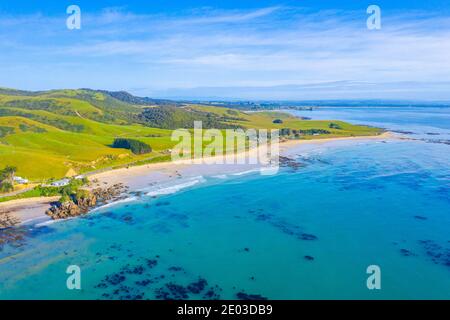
[[117, 175], [160, 175]]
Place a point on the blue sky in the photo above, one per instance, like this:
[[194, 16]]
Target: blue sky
[[283, 50]]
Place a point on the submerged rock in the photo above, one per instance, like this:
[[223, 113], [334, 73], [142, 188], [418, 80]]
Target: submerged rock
[[13, 236], [307, 236], [198, 286], [406, 253], [172, 291], [245, 296], [7, 220], [290, 163]]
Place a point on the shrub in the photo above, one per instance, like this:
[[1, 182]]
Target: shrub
[[277, 121], [333, 125], [233, 112], [310, 132], [65, 198], [136, 146], [285, 132], [6, 187], [174, 118], [7, 179], [4, 131]]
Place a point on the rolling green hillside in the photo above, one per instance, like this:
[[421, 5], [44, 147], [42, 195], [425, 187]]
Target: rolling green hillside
[[56, 133]]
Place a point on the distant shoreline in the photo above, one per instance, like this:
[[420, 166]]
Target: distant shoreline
[[154, 175]]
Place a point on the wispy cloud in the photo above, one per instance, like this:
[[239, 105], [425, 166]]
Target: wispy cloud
[[208, 47]]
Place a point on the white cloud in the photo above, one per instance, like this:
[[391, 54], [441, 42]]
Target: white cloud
[[268, 46]]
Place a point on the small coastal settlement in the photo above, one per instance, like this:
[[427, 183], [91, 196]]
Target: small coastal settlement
[[50, 141]]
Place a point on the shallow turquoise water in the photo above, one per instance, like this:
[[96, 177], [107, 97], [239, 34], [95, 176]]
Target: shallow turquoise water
[[354, 204]]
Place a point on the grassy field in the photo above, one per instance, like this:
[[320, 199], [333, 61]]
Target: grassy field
[[264, 120], [52, 134]]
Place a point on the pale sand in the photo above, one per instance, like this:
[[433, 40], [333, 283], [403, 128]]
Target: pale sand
[[126, 175], [151, 175], [27, 209]]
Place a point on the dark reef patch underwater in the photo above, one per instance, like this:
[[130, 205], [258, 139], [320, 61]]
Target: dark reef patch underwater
[[309, 232]]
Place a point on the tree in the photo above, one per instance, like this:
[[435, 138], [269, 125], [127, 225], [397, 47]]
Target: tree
[[136, 146], [285, 132], [333, 125], [7, 178], [8, 173]]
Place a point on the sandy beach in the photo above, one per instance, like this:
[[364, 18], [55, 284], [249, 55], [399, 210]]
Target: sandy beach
[[27, 209], [131, 176], [159, 175]]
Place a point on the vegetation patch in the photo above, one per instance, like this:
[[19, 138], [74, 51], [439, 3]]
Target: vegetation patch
[[31, 128], [7, 179], [333, 125], [4, 131], [176, 118], [136, 146]]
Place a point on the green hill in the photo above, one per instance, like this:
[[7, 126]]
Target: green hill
[[49, 134]]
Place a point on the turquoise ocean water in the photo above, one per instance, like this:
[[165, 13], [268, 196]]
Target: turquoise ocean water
[[301, 234]]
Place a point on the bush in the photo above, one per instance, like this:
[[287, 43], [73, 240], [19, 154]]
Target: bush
[[285, 132], [65, 198], [6, 187], [310, 132], [175, 118], [136, 146], [333, 125], [277, 121], [233, 112], [4, 131], [7, 179]]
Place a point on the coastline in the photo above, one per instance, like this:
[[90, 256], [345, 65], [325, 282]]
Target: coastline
[[111, 177], [159, 175]]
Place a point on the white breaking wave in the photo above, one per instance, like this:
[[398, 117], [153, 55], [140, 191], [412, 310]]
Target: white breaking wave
[[49, 222], [246, 172], [176, 188], [115, 203], [221, 176]]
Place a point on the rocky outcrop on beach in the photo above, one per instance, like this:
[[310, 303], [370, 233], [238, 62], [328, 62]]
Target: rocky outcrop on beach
[[109, 193], [84, 200], [7, 220], [63, 210], [9, 233], [290, 163]]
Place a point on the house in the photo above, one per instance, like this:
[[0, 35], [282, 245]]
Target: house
[[60, 183], [20, 180]]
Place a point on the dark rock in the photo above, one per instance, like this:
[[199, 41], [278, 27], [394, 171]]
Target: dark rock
[[172, 291], [151, 263], [176, 269], [406, 253], [245, 296], [198, 286], [307, 236]]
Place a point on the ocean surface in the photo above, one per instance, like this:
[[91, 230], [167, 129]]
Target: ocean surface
[[305, 233]]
